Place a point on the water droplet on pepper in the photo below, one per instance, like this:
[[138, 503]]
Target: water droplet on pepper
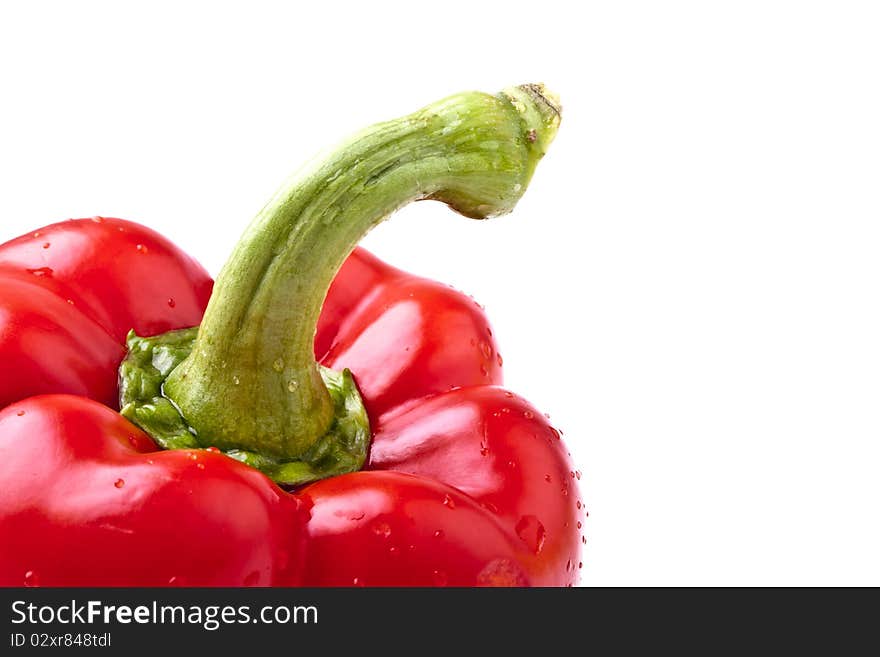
[[531, 532], [502, 572], [382, 529]]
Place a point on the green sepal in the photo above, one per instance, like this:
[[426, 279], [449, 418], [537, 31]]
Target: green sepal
[[141, 375], [150, 360]]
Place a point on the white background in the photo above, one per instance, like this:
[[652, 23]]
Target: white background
[[689, 287]]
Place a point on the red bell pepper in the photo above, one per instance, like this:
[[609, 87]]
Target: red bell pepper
[[237, 459]]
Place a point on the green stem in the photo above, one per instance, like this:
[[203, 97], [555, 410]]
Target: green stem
[[251, 382]]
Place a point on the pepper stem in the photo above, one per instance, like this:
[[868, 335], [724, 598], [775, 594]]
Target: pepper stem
[[251, 382]]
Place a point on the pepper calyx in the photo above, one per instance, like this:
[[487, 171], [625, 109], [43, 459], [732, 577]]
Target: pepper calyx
[[149, 361]]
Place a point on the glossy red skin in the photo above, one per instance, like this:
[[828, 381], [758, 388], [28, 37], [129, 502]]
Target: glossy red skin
[[466, 485], [93, 502], [69, 294]]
